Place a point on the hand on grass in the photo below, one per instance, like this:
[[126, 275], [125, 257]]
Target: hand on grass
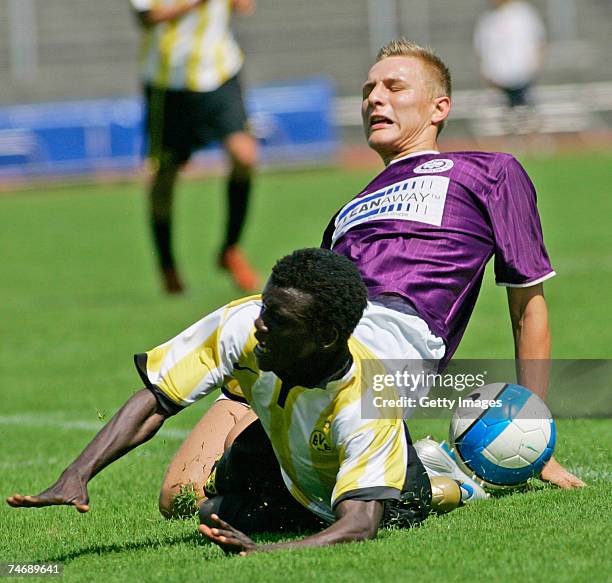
[[555, 473], [68, 490], [228, 538]]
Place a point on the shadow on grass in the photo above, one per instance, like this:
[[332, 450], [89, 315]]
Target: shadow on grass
[[195, 538], [533, 485], [99, 550]]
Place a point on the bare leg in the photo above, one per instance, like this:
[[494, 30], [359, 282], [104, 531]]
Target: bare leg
[[193, 462]]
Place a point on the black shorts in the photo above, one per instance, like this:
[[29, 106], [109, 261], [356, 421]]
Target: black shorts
[[180, 121], [255, 498], [254, 495]]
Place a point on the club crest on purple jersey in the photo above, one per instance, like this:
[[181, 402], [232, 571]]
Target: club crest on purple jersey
[[434, 166]]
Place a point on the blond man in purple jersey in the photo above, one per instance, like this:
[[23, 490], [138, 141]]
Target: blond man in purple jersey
[[422, 231]]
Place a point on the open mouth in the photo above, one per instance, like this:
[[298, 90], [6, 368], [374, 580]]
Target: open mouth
[[379, 121]]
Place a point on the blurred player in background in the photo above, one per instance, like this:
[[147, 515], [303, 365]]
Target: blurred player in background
[[509, 41], [190, 63]]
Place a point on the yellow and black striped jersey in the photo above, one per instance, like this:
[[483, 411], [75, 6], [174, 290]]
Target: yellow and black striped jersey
[[197, 51], [327, 450]]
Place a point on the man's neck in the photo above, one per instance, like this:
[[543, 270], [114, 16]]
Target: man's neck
[[422, 146], [318, 374]]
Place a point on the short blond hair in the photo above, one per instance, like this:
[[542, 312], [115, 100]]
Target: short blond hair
[[441, 80]]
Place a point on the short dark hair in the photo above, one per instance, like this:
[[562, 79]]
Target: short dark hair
[[334, 283]]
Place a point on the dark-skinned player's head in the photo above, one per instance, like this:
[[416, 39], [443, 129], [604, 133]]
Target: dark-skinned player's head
[[310, 305], [338, 293]]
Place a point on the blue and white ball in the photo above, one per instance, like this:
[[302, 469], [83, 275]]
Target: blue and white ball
[[505, 445]]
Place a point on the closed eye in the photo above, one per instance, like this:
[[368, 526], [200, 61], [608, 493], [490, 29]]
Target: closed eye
[[366, 90]]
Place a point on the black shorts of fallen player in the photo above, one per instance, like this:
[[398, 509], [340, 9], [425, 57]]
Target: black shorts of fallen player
[[180, 122], [246, 490]]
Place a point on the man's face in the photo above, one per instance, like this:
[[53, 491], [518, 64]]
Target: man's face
[[397, 105], [286, 343]]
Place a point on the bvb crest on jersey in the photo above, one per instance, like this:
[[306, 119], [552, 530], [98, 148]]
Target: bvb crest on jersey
[[319, 441]]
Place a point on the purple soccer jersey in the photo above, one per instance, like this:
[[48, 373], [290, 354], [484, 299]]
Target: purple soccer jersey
[[427, 225]]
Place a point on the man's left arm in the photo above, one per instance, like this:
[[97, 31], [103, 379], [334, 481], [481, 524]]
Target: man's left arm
[[357, 520], [529, 317]]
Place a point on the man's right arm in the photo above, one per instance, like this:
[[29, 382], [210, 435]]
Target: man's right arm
[[357, 520], [137, 421]]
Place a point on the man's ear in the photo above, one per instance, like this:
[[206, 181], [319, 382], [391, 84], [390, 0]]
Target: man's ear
[[442, 106], [329, 338]]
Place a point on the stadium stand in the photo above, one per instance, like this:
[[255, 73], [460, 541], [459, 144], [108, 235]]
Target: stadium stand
[[88, 50]]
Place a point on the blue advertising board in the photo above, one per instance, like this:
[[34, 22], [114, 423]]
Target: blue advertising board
[[293, 123]]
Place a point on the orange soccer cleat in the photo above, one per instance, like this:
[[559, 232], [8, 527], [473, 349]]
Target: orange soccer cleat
[[234, 261]]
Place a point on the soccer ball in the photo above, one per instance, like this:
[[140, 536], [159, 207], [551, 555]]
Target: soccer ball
[[502, 433]]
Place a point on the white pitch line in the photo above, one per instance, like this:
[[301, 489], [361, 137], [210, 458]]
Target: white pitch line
[[49, 420]]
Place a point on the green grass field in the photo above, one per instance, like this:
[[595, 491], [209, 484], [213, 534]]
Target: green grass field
[[80, 295]]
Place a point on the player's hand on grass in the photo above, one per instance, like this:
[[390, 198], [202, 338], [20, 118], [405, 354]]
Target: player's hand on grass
[[555, 473], [227, 537], [68, 490]]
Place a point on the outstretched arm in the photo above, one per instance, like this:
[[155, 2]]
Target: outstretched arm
[[136, 422], [529, 317], [356, 520]]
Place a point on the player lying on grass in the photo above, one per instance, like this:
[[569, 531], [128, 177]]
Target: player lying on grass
[[421, 234], [311, 459]]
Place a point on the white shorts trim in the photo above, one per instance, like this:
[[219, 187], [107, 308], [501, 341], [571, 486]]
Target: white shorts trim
[[224, 397]]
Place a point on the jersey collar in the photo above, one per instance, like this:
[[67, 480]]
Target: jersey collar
[[413, 154], [340, 381]]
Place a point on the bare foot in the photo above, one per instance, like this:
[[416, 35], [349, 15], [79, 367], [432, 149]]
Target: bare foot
[[66, 491]]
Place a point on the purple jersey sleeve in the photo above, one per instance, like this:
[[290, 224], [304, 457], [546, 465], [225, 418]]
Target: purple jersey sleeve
[[521, 259]]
